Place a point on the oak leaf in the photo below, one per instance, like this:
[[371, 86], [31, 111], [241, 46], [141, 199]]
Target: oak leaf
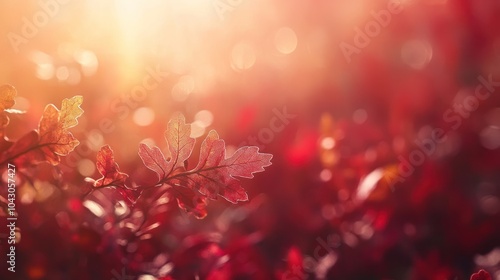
[[55, 139], [190, 201], [214, 175], [113, 177], [108, 168], [52, 139], [7, 95]]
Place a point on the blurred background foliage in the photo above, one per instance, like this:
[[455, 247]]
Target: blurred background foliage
[[234, 66]]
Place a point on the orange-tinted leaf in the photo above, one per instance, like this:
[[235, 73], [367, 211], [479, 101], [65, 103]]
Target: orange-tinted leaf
[[25, 151], [70, 111], [108, 168], [52, 139], [7, 95], [55, 140]]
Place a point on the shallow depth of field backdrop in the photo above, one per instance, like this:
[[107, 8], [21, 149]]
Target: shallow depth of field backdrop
[[383, 118]]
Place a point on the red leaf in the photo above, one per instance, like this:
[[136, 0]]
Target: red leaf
[[154, 159], [24, 151], [190, 201], [180, 143], [246, 161], [481, 275], [108, 168], [131, 196], [112, 177], [212, 151], [213, 176]]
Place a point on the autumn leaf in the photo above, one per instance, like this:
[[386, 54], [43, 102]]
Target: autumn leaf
[[55, 139], [154, 159], [108, 168], [246, 161], [481, 275], [130, 195], [25, 151], [52, 139], [7, 95], [180, 143], [214, 175], [113, 177], [190, 201]]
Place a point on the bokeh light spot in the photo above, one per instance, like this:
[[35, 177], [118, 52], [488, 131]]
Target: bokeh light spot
[[44, 71], [183, 88], [121, 208], [490, 204], [95, 140], [62, 73], [243, 56], [88, 61], [197, 129], [325, 175], [205, 117], [147, 277], [327, 143], [369, 183], [416, 54], [74, 76], [328, 211], [144, 116], [490, 137], [86, 167], [166, 269], [27, 194], [360, 116], [44, 66], [93, 207], [285, 40], [343, 195]]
